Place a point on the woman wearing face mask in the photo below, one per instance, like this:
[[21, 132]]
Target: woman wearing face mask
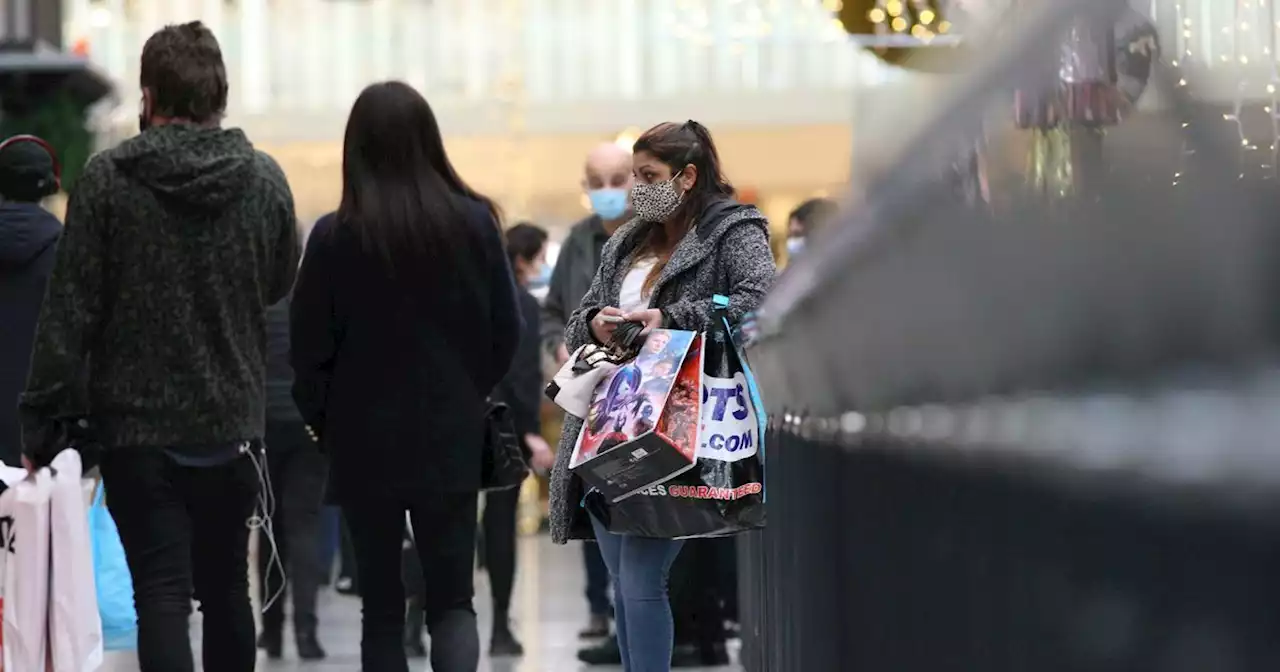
[[804, 221], [689, 241], [521, 389]]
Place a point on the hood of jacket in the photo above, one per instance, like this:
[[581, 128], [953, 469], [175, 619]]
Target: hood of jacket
[[716, 219], [26, 231], [207, 168]]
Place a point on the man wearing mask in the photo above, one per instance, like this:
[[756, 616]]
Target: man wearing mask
[[607, 181], [806, 220], [28, 242], [152, 343]]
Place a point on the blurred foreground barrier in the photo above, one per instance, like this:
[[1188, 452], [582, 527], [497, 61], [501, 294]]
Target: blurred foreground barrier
[[1039, 436], [887, 551]]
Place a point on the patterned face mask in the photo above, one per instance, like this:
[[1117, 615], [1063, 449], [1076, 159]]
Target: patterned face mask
[[656, 202]]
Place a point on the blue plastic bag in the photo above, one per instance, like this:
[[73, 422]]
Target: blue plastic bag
[[114, 582]]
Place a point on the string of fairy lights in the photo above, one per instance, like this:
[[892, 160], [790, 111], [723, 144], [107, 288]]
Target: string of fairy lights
[[1250, 33], [917, 18]]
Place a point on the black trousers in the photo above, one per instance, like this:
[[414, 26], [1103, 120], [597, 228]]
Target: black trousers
[[298, 474], [184, 531], [346, 553], [500, 509], [598, 589], [698, 592], [444, 526]]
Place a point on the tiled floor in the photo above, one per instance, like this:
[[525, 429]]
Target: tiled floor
[[549, 609]]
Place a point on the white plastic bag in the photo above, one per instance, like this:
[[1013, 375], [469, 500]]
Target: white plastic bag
[[26, 574], [9, 476], [75, 628]]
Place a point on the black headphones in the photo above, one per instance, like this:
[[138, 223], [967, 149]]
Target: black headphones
[[57, 165]]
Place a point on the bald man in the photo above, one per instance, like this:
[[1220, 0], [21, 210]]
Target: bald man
[[607, 181]]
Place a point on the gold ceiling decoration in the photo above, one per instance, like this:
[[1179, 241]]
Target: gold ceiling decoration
[[915, 34]]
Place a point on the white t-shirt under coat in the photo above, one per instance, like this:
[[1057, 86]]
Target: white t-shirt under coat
[[631, 297]]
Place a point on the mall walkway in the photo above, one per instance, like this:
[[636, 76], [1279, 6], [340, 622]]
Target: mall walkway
[[549, 609]]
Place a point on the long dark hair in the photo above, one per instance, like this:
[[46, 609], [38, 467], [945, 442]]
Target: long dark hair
[[400, 193], [677, 146]]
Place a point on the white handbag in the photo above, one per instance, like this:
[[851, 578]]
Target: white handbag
[[576, 381]]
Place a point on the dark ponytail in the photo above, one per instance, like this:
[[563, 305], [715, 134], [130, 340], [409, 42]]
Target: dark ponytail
[[704, 146]]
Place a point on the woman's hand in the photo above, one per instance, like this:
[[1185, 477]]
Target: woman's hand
[[601, 328], [541, 457], [651, 319]]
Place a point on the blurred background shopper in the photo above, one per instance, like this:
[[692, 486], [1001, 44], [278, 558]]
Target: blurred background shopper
[[298, 471], [689, 241], [404, 320], [607, 181], [28, 243], [176, 243], [806, 220], [521, 389]]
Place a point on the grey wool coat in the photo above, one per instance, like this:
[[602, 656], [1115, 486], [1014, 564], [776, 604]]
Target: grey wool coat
[[726, 252]]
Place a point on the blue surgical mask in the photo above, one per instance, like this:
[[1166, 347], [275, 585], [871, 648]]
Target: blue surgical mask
[[543, 278], [608, 203], [795, 245]]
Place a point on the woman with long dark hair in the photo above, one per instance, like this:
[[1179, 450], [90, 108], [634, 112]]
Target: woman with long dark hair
[[404, 318], [690, 240]]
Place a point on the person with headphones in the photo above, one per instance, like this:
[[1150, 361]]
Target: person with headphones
[[29, 173]]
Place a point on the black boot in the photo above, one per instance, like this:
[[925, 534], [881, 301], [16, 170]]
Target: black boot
[[272, 642], [597, 627], [504, 643], [606, 653], [309, 646], [414, 646]]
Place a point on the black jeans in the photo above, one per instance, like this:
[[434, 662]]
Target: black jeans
[[184, 530], [597, 580], [698, 593], [298, 475], [444, 526], [346, 553], [500, 509]]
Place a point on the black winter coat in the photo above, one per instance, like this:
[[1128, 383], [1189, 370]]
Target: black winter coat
[[280, 405], [523, 386], [393, 370], [28, 237]]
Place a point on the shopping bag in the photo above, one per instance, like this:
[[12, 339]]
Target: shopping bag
[[724, 493], [9, 476], [26, 574], [642, 427], [112, 580], [75, 629]]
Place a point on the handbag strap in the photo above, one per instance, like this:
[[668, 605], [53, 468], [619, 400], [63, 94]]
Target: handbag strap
[[721, 305], [98, 494]]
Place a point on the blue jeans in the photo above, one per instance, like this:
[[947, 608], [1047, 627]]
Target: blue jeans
[[639, 567]]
